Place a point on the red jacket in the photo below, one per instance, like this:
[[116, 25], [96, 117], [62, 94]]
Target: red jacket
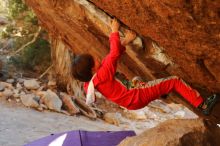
[[112, 89]]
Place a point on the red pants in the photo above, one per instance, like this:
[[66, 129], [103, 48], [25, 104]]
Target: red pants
[[163, 86]]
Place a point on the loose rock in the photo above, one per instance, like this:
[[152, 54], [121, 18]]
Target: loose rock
[[20, 80], [31, 84], [136, 114], [52, 83], [11, 81], [30, 100], [112, 118], [51, 100], [68, 103], [4, 85], [7, 92], [18, 86]]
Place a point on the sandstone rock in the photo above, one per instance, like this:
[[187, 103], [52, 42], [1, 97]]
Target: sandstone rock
[[7, 92], [11, 81], [18, 100], [4, 85], [51, 100], [136, 114], [176, 133], [43, 106], [68, 103], [52, 83], [112, 118], [20, 80], [191, 44], [16, 93], [31, 84], [84, 108], [18, 86], [30, 100]]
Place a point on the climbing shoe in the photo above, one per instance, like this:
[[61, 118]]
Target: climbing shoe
[[208, 104]]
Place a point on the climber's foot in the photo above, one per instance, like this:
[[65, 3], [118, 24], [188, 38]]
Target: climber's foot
[[208, 104]]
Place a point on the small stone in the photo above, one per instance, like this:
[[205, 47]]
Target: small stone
[[16, 95], [40, 109], [2, 87], [43, 106], [30, 100], [22, 93], [16, 91], [18, 86], [11, 81], [52, 83], [18, 100], [20, 80], [112, 118], [31, 84], [7, 92], [136, 114], [9, 99]]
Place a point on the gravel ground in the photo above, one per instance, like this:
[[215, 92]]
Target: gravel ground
[[20, 125]]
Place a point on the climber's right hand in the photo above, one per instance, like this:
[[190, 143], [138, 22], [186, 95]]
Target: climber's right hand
[[115, 25]]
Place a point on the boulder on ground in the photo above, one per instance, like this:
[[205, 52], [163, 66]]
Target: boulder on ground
[[7, 93], [68, 103], [177, 133], [51, 100], [4, 85], [30, 100], [31, 84]]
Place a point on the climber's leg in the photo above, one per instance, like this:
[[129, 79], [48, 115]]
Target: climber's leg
[[163, 86]]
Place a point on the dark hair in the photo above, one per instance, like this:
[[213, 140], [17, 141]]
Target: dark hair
[[82, 67]]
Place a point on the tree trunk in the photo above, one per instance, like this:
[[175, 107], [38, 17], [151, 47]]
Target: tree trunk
[[61, 59]]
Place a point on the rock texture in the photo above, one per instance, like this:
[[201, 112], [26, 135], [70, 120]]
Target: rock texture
[[177, 133], [179, 37]]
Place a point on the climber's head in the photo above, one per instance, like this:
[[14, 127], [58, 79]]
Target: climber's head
[[84, 66]]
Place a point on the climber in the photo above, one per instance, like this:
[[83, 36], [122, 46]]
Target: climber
[[101, 77]]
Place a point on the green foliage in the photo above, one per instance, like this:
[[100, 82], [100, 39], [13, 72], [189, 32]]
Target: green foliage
[[35, 57], [31, 18], [16, 7], [6, 33]]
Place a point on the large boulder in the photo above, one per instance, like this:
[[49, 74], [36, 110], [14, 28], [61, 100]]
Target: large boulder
[[178, 133], [180, 37]]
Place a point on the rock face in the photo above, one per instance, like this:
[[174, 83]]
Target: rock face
[[179, 37], [177, 133]]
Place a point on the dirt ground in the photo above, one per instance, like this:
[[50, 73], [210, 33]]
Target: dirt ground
[[20, 125]]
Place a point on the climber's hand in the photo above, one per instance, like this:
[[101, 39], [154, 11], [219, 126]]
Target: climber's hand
[[129, 36], [115, 25]]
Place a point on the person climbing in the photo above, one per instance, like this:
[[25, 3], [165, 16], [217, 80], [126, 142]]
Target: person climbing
[[100, 76]]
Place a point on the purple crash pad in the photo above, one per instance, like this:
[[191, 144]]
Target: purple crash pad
[[83, 138]]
